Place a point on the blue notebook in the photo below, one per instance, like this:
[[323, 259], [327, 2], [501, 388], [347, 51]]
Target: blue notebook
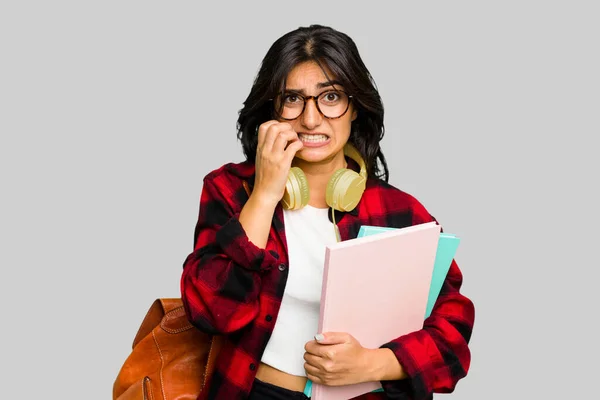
[[446, 250]]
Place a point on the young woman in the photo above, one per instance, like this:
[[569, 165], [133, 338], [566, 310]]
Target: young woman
[[255, 274]]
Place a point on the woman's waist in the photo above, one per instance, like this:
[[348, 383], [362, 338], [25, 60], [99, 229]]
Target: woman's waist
[[271, 375]]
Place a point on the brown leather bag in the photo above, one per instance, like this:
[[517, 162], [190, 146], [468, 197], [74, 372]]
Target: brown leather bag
[[170, 358]]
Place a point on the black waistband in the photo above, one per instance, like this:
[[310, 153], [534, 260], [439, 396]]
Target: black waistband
[[267, 391]]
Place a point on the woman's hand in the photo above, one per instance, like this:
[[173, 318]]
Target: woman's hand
[[277, 146], [338, 359]]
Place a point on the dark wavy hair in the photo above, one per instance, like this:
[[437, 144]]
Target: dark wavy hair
[[338, 53]]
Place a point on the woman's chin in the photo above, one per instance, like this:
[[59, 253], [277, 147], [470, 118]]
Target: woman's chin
[[315, 154]]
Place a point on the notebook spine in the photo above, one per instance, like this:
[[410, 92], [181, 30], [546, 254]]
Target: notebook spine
[[323, 303]]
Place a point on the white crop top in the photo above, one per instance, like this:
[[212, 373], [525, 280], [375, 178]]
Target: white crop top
[[307, 232]]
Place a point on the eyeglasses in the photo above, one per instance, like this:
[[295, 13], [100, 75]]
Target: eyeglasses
[[331, 104]]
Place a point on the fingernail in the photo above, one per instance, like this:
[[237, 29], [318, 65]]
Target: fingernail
[[319, 337]]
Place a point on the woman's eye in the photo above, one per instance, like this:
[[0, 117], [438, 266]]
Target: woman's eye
[[291, 98], [331, 96]]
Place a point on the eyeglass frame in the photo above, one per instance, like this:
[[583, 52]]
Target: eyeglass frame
[[315, 98]]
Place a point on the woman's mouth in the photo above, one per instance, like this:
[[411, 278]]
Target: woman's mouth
[[313, 138]]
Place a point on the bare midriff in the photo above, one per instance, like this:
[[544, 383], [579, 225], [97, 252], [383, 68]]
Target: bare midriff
[[271, 375]]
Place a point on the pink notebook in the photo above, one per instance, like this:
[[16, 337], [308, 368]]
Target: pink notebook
[[376, 288]]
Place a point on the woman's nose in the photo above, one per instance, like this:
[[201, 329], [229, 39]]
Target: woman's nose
[[311, 117]]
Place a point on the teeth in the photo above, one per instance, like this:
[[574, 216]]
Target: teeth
[[312, 138]]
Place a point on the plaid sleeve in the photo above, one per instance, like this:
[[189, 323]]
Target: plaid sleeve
[[436, 357], [221, 277]]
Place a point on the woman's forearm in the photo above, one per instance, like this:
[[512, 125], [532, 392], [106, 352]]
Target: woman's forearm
[[385, 366], [256, 217]]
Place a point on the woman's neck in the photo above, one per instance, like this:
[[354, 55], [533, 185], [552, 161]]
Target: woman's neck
[[318, 175]]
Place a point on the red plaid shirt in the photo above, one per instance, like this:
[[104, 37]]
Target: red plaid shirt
[[231, 287]]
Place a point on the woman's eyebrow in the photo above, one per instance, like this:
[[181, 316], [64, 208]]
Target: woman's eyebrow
[[320, 85]]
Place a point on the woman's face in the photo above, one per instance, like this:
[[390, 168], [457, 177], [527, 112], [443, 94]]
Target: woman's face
[[323, 138]]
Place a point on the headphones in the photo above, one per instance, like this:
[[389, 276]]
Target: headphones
[[344, 189]]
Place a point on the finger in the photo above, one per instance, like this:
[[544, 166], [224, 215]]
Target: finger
[[312, 347], [333, 338], [313, 377], [262, 131], [324, 351], [320, 376], [313, 360], [313, 371], [273, 132], [283, 140], [292, 149]]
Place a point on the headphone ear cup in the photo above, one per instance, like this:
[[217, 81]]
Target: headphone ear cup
[[296, 193], [344, 190]]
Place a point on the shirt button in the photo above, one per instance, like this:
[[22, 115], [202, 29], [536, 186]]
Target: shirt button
[[252, 367], [269, 318], [282, 267]]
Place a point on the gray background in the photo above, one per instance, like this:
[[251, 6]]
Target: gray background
[[112, 112]]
